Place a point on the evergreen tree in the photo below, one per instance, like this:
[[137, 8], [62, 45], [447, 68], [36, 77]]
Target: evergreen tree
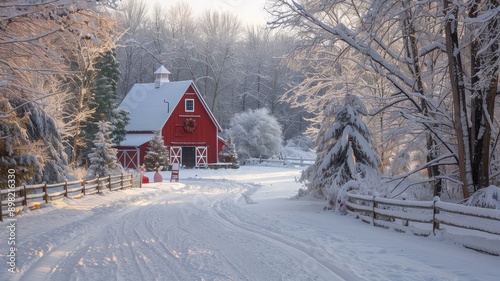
[[30, 143], [103, 160], [157, 155], [345, 151], [104, 95], [229, 154]]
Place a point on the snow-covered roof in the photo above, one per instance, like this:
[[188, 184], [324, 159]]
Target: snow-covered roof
[[162, 70], [151, 107], [136, 140]]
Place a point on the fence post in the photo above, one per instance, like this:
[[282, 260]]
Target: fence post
[[45, 193], [301, 162], [98, 185], [109, 181], [121, 181], [131, 180], [84, 183], [25, 200], [374, 214], [406, 222], [66, 189], [435, 211], [1, 214]]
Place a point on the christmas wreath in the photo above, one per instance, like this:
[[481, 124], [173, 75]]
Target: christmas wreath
[[189, 125]]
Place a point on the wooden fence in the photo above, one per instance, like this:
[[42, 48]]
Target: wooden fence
[[423, 217], [34, 195]]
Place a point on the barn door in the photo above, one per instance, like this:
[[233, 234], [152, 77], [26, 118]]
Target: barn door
[[129, 158], [201, 156], [175, 154]]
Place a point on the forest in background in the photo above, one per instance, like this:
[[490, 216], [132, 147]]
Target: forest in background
[[427, 72]]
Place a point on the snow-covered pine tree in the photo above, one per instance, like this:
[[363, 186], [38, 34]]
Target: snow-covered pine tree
[[344, 151], [229, 154], [104, 97], [157, 155], [103, 160]]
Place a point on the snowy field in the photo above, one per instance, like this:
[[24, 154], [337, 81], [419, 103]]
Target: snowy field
[[224, 225]]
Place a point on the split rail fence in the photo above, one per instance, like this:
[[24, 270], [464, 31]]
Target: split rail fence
[[424, 217], [34, 195]]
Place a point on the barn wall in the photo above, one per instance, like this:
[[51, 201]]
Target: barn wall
[[205, 133]]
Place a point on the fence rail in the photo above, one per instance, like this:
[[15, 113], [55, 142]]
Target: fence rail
[[284, 161], [12, 200], [425, 216]]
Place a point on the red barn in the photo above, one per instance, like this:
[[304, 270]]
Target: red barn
[[178, 110]]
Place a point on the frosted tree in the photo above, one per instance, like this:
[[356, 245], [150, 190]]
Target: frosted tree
[[229, 154], [429, 72], [256, 134], [30, 79], [103, 160], [91, 76], [345, 152], [157, 156]]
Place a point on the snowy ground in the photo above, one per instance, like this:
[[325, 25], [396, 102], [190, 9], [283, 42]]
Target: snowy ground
[[224, 225]]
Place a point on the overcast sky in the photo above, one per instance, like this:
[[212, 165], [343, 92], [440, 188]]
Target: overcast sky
[[249, 11]]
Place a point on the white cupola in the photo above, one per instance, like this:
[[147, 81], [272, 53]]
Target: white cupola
[[161, 76]]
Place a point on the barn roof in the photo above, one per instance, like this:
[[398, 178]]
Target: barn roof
[[136, 140], [150, 107]]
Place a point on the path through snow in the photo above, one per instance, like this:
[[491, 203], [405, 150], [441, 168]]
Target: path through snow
[[225, 225]]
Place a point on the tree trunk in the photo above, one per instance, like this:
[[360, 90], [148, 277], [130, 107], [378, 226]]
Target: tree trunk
[[412, 51], [455, 69], [482, 104]]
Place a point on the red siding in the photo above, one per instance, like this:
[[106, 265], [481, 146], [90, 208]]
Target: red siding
[[205, 133], [142, 150]]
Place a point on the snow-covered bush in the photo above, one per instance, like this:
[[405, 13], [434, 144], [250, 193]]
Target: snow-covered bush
[[103, 160], [299, 147], [157, 156], [345, 155], [256, 133], [485, 198]]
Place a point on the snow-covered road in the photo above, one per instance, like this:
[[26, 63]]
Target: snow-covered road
[[225, 225]]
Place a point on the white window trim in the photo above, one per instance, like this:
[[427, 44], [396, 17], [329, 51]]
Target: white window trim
[[185, 105]]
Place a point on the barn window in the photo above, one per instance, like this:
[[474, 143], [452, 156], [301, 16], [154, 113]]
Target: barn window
[[189, 105]]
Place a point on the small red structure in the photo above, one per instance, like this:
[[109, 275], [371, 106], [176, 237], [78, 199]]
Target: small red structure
[[145, 179], [175, 172], [178, 110]]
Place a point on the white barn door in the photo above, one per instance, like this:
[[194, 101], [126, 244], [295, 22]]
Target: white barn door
[[201, 156], [175, 154]]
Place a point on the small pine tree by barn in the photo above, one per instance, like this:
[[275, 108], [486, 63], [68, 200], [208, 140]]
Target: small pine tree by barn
[[345, 151], [229, 154], [103, 160], [157, 155]]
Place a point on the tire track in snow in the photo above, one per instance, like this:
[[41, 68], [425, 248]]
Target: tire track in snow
[[326, 270], [67, 244]]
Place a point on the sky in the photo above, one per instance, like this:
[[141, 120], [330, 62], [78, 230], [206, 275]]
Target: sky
[[248, 11]]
